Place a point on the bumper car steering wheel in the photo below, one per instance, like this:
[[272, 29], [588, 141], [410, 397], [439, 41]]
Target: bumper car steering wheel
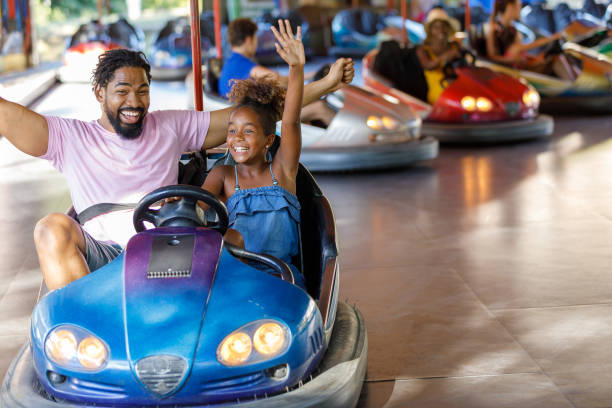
[[179, 213]]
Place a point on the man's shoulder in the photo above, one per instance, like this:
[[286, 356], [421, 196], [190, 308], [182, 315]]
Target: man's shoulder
[[69, 121], [173, 114], [62, 125]]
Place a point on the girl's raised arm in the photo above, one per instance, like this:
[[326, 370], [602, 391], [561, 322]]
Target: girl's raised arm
[[291, 50]]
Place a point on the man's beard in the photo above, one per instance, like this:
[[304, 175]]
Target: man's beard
[[126, 131]]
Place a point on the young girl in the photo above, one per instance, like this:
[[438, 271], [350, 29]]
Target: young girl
[[260, 194], [438, 49], [505, 44]]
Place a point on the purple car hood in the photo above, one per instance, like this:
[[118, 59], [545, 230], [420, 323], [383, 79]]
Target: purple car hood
[[168, 276]]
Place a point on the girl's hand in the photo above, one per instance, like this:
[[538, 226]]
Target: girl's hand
[[290, 48]]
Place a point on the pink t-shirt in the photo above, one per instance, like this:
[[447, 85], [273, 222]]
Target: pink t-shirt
[[102, 167]]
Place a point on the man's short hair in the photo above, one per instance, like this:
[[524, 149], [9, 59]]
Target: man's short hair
[[239, 30], [117, 58]]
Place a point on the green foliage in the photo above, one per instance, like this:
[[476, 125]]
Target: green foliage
[[163, 4], [76, 8], [61, 10]]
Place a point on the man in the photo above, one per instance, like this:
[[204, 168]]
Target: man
[[117, 158], [242, 35]]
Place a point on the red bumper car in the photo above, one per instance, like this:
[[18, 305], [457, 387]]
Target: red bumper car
[[477, 105]]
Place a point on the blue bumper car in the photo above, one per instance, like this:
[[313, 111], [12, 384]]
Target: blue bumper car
[[170, 54], [358, 30], [266, 51], [182, 319]]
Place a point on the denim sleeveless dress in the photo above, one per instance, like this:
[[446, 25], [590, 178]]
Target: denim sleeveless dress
[[268, 218]]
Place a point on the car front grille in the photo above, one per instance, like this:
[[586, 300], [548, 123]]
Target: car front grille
[[512, 108], [161, 374]]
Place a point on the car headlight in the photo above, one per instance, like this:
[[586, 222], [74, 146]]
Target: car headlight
[[380, 123], [235, 349], [389, 123], [531, 98], [61, 346], [471, 104], [257, 341], [91, 353], [468, 103], [269, 338], [374, 122], [75, 348], [483, 104]]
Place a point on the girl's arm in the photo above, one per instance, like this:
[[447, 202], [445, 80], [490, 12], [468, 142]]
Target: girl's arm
[[213, 184], [519, 47], [291, 50]]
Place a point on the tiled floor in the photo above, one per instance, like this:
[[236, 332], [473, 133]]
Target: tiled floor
[[482, 275]]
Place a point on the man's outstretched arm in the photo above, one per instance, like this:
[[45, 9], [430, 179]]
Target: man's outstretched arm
[[340, 74], [25, 129]]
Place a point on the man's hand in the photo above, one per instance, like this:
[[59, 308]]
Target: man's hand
[[340, 73]]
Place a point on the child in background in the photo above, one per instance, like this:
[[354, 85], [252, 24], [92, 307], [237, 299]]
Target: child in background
[[259, 193], [439, 48]]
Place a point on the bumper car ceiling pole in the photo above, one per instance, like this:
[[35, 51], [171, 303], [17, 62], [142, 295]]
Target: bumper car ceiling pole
[[217, 17], [196, 55], [355, 3], [389, 5], [100, 10]]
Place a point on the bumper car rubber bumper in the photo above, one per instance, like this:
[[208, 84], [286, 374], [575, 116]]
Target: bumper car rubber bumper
[[369, 157], [338, 383], [496, 132]]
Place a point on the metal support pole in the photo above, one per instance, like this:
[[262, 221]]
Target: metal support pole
[[196, 55], [217, 17]]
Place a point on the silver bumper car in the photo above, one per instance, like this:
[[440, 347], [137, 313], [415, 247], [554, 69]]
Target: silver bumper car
[[367, 132]]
